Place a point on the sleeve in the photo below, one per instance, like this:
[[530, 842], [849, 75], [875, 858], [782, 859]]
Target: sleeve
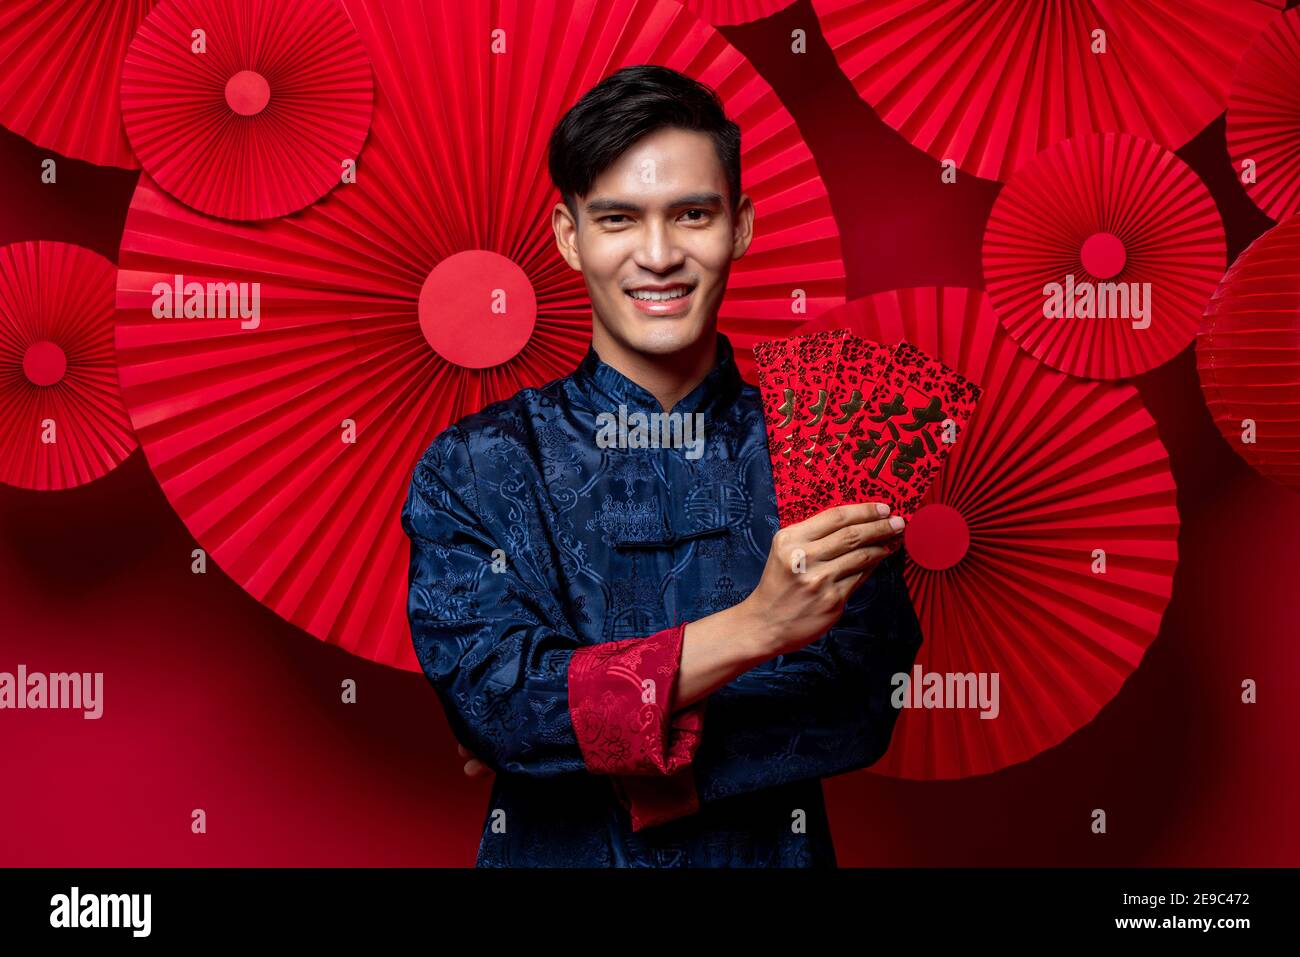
[[519, 687], [820, 711], [823, 710]]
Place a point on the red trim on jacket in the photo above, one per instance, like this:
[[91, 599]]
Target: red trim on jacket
[[619, 692]]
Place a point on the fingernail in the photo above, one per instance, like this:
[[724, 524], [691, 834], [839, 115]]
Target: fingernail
[[896, 522], [882, 509]]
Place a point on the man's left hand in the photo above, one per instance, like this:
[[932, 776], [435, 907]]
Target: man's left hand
[[473, 767]]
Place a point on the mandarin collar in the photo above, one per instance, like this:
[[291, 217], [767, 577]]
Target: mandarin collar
[[606, 387]]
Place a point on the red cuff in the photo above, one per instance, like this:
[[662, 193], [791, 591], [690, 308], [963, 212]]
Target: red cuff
[[619, 695], [657, 800]]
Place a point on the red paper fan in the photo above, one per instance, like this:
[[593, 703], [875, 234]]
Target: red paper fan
[[58, 85], [1264, 116], [1051, 474], [728, 12], [1100, 255], [990, 84], [244, 427], [262, 122], [63, 419], [1248, 354]]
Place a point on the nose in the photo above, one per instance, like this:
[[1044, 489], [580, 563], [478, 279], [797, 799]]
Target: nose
[[658, 250]]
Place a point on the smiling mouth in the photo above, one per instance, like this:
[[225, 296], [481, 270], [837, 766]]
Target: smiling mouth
[[657, 295]]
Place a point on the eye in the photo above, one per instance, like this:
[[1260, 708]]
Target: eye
[[609, 219], [704, 213]]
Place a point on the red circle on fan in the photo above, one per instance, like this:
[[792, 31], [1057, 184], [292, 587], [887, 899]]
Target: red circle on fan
[[937, 537], [44, 363], [1103, 255], [477, 309], [247, 92]]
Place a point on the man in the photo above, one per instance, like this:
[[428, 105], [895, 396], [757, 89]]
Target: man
[[658, 677]]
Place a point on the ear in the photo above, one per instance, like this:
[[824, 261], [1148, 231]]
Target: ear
[[566, 235], [743, 228]]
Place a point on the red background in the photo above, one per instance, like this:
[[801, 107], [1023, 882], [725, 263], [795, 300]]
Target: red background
[[211, 701]]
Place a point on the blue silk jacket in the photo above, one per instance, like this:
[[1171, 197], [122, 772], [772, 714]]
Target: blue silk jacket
[[530, 542]]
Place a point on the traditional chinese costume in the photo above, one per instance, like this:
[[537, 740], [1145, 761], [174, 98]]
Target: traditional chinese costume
[[550, 583]]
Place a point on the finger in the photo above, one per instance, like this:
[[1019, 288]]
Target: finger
[[850, 537], [859, 560], [832, 519], [850, 584], [475, 767], [463, 751]]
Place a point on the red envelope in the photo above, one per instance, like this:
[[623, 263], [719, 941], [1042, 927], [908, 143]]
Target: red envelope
[[796, 377], [904, 432], [863, 366]]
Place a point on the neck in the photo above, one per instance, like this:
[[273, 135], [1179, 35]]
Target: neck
[[669, 377]]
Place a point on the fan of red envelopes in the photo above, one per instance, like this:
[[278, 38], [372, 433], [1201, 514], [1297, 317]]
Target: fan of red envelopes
[[1264, 117], [1248, 354], [727, 12], [285, 376], [63, 422], [263, 119], [1100, 255], [1043, 556], [58, 83], [990, 84], [852, 421]]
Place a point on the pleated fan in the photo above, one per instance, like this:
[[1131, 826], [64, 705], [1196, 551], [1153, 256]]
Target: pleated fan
[[729, 12], [363, 296], [247, 110], [1264, 117], [59, 65], [1248, 354], [1100, 255], [63, 421], [989, 84], [1044, 554]]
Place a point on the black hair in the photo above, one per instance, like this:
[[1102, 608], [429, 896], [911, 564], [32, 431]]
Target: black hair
[[624, 107]]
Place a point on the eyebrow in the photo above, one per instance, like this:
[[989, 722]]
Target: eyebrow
[[706, 198]]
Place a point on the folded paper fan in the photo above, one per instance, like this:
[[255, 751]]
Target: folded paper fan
[[246, 110], [63, 419], [1100, 255], [989, 84], [58, 83], [728, 12], [286, 439], [1044, 554], [1248, 354], [1264, 117]]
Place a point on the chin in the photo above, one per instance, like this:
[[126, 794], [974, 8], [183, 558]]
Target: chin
[[666, 336]]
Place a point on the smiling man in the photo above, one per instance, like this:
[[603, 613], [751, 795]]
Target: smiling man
[[658, 674]]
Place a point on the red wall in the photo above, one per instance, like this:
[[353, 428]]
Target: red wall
[[211, 701]]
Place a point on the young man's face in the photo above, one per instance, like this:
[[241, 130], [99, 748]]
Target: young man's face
[[655, 240]]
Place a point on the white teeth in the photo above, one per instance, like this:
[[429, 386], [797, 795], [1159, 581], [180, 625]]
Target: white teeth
[[657, 296]]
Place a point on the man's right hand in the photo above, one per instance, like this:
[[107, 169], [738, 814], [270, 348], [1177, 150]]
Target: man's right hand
[[814, 566]]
